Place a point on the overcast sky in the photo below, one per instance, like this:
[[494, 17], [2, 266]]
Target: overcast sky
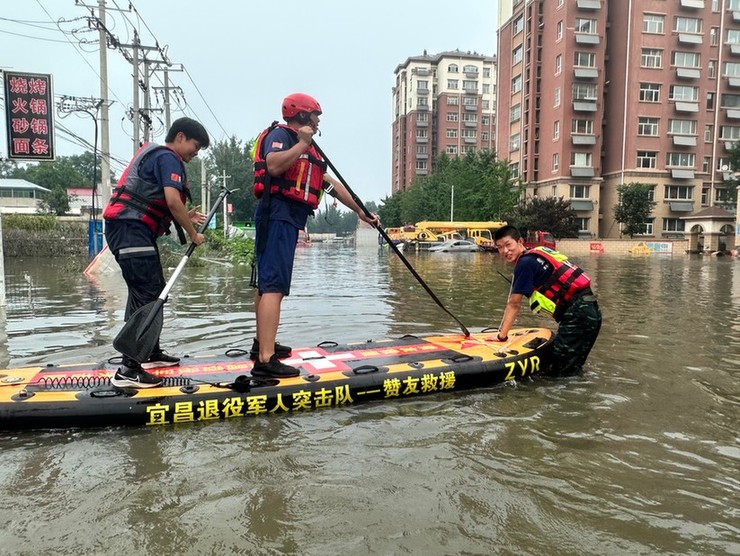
[[242, 57]]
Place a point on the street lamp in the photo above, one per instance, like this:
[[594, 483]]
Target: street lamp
[[452, 202]]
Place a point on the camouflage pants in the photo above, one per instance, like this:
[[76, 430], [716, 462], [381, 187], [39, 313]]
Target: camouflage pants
[[576, 335]]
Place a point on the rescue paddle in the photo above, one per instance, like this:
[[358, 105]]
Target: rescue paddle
[[140, 333], [389, 241]]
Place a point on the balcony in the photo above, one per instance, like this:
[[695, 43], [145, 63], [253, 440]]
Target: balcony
[[472, 74], [684, 140], [676, 206], [471, 108], [470, 124], [585, 73], [422, 156], [587, 39], [693, 4], [688, 73], [422, 91], [682, 173], [421, 71], [422, 139], [683, 106], [581, 204], [736, 16], [585, 105], [422, 123], [689, 38], [735, 49], [588, 4], [583, 139], [733, 82], [582, 172], [733, 114], [422, 107], [470, 140], [470, 91]]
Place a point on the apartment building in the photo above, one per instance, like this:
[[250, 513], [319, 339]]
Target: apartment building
[[596, 93], [441, 103]]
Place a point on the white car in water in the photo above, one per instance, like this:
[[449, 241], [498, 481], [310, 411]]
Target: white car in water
[[456, 246]]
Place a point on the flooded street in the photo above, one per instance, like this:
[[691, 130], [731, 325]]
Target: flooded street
[[639, 455]]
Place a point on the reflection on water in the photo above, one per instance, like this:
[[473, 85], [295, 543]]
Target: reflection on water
[[638, 456]]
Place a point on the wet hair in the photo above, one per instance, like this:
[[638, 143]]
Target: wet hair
[[191, 128], [507, 231]]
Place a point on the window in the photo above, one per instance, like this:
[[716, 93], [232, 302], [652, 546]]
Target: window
[[422, 101], [453, 68], [470, 86], [687, 59], [516, 113], [710, 101], [485, 136], [485, 120], [451, 133], [556, 97], [708, 133], [646, 228], [469, 68], [470, 101], [422, 116], [516, 55], [584, 91], [647, 159], [733, 36], [682, 127], [733, 5], [555, 162], [469, 133], [674, 225], [582, 127], [559, 31], [518, 26], [687, 25], [652, 23], [732, 69], [711, 69], [587, 26], [579, 191], [649, 92], [452, 83], [486, 72], [681, 160], [421, 149], [516, 84], [467, 117], [678, 192], [558, 63], [652, 58], [647, 126], [556, 130], [421, 164], [706, 164], [583, 224], [452, 101], [451, 149], [713, 36], [452, 116], [684, 93], [730, 101], [581, 159], [584, 59], [422, 133], [514, 142], [729, 133], [514, 170]]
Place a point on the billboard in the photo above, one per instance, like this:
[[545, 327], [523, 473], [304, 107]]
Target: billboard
[[29, 116]]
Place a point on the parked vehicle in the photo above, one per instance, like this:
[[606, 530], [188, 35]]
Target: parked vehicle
[[456, 246], [539, 239]]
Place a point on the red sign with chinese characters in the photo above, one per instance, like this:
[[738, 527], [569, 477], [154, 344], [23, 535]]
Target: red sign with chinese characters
[[29, 115]]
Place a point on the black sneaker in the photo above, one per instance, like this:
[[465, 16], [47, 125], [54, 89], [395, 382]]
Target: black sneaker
[[160, 359], [280, 350], [274, 368], [131, 377]]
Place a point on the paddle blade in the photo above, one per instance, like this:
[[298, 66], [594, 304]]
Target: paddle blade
[[139, 335]]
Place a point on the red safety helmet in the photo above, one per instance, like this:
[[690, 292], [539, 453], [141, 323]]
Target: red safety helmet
[[299, 102]]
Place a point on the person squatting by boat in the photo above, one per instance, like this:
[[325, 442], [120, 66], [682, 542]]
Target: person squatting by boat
[[289, 179], [151, 194], [555, 287]]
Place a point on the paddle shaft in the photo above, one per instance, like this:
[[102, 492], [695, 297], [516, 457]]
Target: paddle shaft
[[171, 282], [388, 240]]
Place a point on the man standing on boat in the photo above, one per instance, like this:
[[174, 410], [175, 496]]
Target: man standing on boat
[[289, 179], [150, 196], [556, 287]]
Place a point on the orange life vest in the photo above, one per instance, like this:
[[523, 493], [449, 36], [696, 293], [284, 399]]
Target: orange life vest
[[302, 182], [137, 199]]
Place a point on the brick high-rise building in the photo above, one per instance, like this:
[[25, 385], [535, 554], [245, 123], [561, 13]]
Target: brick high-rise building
[[596, 93], [441, 103]]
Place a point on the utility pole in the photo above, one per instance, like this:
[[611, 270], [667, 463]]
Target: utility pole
[[223, 177], [167, 88], [105, 188]]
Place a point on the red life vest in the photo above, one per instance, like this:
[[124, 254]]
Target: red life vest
[[137, 199], [302, 182], [564, 284]]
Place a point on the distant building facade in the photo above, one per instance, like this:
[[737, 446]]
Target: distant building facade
[[20, 196], [441, 103], [596, 93]]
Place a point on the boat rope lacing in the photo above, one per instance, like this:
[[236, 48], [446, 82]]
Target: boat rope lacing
[[89, 382]]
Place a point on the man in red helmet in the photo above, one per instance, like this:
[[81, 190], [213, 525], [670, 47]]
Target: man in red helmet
[[290, 177]]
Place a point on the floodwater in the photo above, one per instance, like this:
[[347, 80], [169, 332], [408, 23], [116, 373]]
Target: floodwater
[[639, 455]]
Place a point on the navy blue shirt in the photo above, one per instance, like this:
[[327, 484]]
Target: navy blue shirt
[[280, 139], [530, 272], [164, 167]]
